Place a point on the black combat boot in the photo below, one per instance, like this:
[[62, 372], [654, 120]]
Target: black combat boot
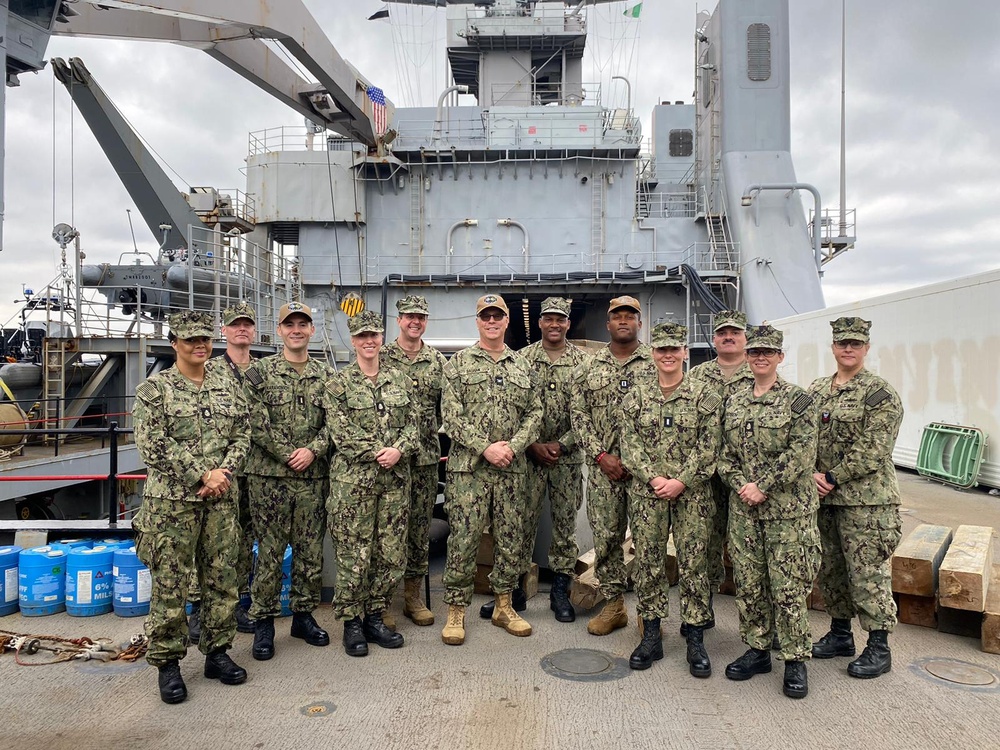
[[650, 648], [697, 656], [304, 626], [754, 661], [708, 625], [172, 687], [354, 639], [796, 684], [519, 600], [194, 623], [559, 599], [263, 639], [838, 642], [375, 631], [218, 666], [875, 660], [243, 622]]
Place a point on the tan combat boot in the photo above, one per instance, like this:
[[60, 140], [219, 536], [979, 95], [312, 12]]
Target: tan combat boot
[[609, 619], [413, 603], [505, 617], [454, 630]]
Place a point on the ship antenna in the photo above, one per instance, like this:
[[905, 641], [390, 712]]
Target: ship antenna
[[843, 118], [132, 229]]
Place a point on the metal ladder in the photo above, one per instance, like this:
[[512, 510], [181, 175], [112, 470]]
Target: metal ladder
[[54, 382], [597, 220], [416, 223]]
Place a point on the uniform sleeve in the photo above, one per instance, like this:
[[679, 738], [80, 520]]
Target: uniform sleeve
[[873, 449], [730, 467], [262, 431], [531, 419], [239, 435], [320, 445], [409, 437], [580, 417], [798, 457], [158, 450], [457, 424], [701, 462], [634, 455]]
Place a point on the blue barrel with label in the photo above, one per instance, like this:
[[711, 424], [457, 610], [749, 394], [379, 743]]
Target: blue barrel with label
[[8, 579], [41, 581], [286, 580], [133, 584], [90, 581]]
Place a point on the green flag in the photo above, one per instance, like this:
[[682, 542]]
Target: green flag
[[634, 11]]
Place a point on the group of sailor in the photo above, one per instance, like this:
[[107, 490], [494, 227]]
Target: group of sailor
[[246, 457]]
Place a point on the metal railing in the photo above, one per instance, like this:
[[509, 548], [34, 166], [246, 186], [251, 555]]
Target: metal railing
[[705, 257], [298, 138], [670, 205], [831, 230]]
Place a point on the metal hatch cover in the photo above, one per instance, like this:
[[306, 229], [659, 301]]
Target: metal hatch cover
[[584, 665]]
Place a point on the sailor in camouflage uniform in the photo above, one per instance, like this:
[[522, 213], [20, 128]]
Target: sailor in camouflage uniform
[[728, 372], [859, 521], [287, 470], [423, 365], [669, 443], [767, 458], [370, 417], [599, 386], [191, 431], [555, 459], [492, 414], [239, 324]]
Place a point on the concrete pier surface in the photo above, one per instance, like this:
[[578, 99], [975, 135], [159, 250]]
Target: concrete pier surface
[[497, 691]]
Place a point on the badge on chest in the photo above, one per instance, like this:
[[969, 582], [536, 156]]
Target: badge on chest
[[668, 421], [498, 380], [825, 417]]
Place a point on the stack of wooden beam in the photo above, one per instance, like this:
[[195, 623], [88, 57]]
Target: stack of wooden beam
[[947, 581]]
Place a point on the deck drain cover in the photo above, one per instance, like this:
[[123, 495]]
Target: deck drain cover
[[318, 709], [959, 672], [584, 665]]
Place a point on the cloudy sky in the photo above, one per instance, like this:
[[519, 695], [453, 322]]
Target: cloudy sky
[[923, 103]]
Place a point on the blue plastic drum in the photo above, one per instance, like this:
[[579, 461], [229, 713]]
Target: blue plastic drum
[[90, 581], [133, 584], [286, 581], [8, 579], [41, 581]]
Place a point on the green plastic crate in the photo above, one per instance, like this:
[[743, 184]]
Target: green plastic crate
[[951, 453]]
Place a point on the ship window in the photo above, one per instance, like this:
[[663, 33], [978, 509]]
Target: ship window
[[39, 12], [758, 52], [681, 142]]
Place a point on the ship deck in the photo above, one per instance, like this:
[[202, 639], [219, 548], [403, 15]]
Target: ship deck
[[495, 692]]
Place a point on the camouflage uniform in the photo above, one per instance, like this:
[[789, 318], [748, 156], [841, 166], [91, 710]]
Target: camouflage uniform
[[599, 386], [287, 506], [368, 505], [564, 480], [771, 440], [426, 379], [859, 520], [181, 431], [676, 437], [484, 401]]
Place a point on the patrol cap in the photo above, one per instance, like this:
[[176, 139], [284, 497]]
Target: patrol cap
[[368, 321], [850, 329], [240, 310], [491, 300], [555, 306], [625, 301], [730, 318], [668, 334], [764, 337], [292, 308], [191, 325], [413, 303]]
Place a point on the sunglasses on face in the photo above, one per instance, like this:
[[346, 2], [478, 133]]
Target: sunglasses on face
[[488, 316], [849, 344], [752, 353]]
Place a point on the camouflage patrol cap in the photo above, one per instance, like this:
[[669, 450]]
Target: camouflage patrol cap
[[491, 300], [850, 329], [556, 306], [730, 318], [764, 337], [293, 308], [624, 301], [413, 303], [668, 334], [240, 310], [365, 322], [191, 325]]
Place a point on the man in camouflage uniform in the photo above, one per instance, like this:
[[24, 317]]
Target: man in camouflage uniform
[[767, 457], [555, 459], [287, 471], [669, 443], [423, 366], [492, 414], [191, 431], [370, 418], [239, 324], [859, 522], [599, 386]]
